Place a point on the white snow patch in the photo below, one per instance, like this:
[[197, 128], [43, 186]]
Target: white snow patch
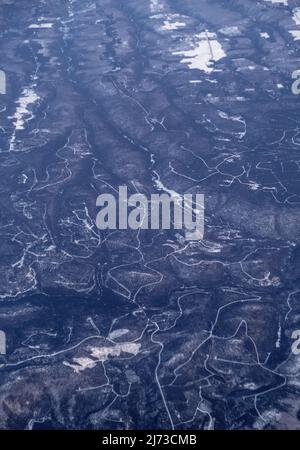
[[28, 97], [101, 354], [201, 57], [295, 34], [81, 364], [168, 25], [283, 2], [118, 333], [279, 333], [41, 25], [265, 35], [296, 15]]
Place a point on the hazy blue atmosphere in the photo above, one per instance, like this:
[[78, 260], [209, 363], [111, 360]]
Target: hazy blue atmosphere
[[144, 329]]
